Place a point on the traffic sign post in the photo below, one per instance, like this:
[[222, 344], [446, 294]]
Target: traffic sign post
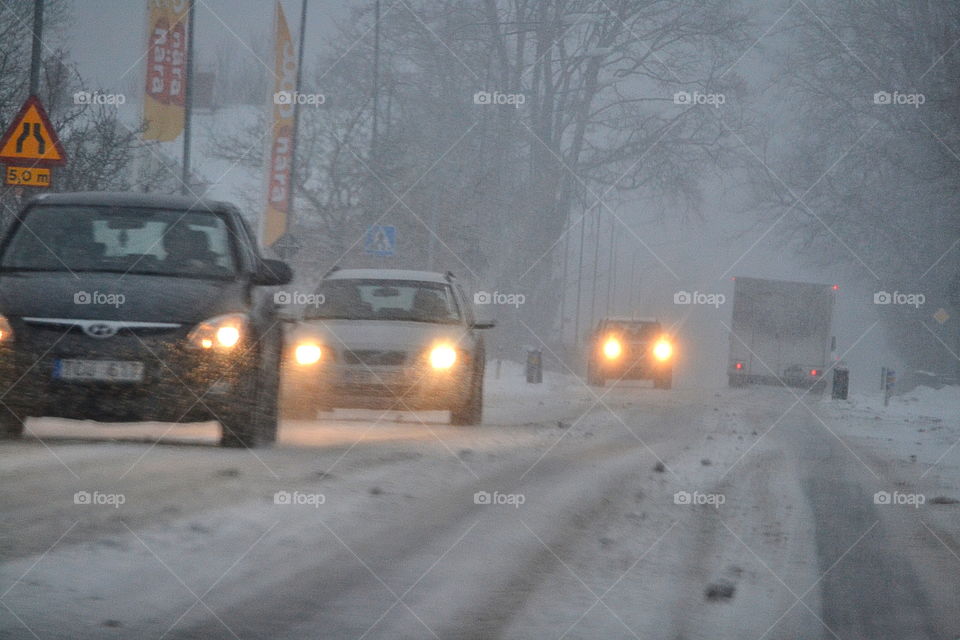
[[30, 146], [287, 246], [890, 380]]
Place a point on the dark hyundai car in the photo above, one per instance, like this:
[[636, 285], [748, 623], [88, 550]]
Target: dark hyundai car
[[123, 307]]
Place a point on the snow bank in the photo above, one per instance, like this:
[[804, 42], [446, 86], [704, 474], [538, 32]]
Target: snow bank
[[943, 403]]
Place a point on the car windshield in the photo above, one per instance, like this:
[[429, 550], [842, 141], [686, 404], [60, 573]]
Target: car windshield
[[122, 240], [635, 330], [370, 299]]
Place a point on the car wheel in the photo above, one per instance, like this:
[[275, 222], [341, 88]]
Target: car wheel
[[252, 420], [11, 423], [471, 411], [664, 382]]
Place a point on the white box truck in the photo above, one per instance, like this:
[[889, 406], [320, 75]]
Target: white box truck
[[781, 333]]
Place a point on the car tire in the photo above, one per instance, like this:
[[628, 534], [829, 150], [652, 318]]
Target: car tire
[[664, 382], [470, 412], [252, 420], [11, 423]]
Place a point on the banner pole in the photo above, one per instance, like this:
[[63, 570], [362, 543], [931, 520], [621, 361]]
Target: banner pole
[[36, 52], [188, 102], [292, 186]]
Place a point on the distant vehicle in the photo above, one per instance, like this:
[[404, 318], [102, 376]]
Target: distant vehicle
[[781, 333], [387, 338], [630, 349], [124, 307]]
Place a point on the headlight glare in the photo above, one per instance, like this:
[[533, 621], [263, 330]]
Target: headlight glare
[[662, 350], [443, 356], [228, 336], [6, 331], [307, 353], [221, 333], [612, 348]]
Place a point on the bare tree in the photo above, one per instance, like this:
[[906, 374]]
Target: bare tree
[[488, 189], [875, 143], [599, 117]]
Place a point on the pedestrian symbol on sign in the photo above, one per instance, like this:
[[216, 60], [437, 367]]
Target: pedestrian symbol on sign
[[380, 240]]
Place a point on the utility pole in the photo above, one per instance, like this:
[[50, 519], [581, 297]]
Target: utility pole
[[292, 188], [576, 321], [376, 75], [36, 52], [563, 281], [616, 269], [596, 268], [187, 99], [611, 263]]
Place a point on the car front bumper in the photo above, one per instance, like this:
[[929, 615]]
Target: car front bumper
[[376, 387], [645, 369], [178, 384]]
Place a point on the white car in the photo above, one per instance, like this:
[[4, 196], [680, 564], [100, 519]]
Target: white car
[[386, 338]]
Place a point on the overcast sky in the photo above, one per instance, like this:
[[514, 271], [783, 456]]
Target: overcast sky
[[106, 38]]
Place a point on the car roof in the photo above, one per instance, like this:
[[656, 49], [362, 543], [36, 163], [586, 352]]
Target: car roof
[[129, 199], [387, 274], [625, 320]]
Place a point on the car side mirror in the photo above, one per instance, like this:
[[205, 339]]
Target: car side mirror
[[484, 324], [271, 273]]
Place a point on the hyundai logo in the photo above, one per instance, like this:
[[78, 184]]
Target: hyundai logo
[[100, 330]]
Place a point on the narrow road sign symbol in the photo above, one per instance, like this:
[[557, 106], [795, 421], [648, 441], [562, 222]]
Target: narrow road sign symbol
[[31, 139]]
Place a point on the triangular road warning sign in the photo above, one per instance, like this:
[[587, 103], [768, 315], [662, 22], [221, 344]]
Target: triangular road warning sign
[[31, 139]]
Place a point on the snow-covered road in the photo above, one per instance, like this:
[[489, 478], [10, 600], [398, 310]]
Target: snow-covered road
[[554, 519]]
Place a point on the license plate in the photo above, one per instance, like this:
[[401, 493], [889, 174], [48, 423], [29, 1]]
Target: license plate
[[100, 370]]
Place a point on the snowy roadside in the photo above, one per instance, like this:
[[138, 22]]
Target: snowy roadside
[[912, 446], [919, 430]]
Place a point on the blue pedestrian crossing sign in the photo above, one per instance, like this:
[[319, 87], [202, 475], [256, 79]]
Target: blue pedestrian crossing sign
[[380, 240]]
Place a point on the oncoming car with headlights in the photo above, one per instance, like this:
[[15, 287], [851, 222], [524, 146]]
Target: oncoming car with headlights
[[386, 338], [630, 349], [124, 307]]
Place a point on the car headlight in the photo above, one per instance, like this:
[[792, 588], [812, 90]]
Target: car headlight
[[443, 356], [662, 350], [307, 353], [612, 348], [6, 331], [222, 332]]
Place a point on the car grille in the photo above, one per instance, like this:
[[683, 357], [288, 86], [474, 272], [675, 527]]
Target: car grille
[[375, 357], [120, 328]]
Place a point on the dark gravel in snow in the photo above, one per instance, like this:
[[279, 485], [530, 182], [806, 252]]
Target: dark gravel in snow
[[720, 590]]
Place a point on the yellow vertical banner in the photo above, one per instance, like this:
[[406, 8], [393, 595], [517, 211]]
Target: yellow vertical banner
[[280, 154], [166, 77]]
